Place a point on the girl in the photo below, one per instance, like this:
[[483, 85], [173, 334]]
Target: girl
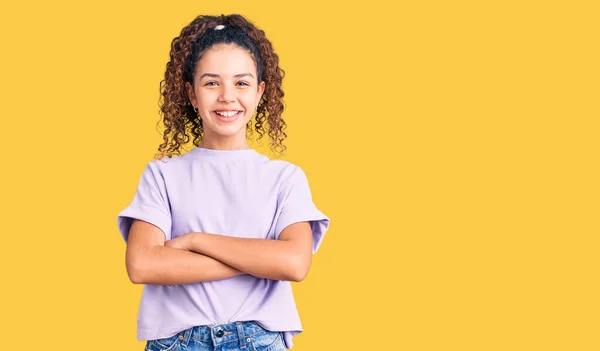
[[216, 235]]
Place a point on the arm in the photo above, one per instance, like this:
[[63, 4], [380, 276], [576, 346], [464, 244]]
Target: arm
[[149, 261], [288, 258]]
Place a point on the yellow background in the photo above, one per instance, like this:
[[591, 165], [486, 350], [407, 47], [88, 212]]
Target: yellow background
[[454, 145]]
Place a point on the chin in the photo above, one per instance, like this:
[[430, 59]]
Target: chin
[[228, 131]]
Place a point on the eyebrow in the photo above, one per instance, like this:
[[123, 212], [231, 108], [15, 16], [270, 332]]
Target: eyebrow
[[212, 75]]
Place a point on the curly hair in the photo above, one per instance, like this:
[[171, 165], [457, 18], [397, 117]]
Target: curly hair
[[177, 112]]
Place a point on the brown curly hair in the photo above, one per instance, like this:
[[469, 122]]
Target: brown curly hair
[[178, 115]]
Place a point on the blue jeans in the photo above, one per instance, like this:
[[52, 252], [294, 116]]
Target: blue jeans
[[238, 336]]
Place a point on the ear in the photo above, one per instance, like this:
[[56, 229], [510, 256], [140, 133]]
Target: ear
[[261, 90], [191, 93]]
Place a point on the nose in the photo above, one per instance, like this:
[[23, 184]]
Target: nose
[[227, 94]]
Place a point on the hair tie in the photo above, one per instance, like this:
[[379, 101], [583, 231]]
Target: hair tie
[[219, 27]]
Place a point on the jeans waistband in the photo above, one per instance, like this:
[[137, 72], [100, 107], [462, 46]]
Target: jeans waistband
[[223, 333]]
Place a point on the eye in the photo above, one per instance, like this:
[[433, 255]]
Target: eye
[[210, 84], [244, 83]]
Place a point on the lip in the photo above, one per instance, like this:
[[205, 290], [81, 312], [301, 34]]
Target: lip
[[227, 119]]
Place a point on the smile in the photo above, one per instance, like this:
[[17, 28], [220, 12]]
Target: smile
[[228, 113], [227, 116]]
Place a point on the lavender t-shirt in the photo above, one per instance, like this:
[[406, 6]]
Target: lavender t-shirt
[[239, 193]]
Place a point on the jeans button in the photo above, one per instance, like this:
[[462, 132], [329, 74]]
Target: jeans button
[[220, 333]]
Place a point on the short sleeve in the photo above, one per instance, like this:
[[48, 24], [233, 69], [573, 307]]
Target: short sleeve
[[150, 204], [299, 207]]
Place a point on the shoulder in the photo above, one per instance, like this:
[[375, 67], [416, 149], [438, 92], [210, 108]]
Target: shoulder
[[282, 166], [285, 176], [185, 160], [284, 171], [167, 162], [162, 169]]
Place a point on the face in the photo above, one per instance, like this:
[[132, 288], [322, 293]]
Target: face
[[226, 93]]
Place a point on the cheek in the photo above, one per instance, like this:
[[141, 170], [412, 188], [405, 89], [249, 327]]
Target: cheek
[[206, 99], [248, 100]]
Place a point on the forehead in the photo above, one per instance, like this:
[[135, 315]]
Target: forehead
[[226, 59]]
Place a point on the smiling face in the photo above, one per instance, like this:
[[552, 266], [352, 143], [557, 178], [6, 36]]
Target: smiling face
[[226, 93]]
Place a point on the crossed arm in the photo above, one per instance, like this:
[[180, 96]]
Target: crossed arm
[[197, 257]]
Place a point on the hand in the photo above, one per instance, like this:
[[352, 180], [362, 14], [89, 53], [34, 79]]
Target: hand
[[181, 242]]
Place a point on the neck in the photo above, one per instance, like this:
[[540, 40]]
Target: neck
[[223, 143]]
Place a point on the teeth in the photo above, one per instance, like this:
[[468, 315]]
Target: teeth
[[227, 113]]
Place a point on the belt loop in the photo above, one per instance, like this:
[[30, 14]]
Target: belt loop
[[241, 336], [186, 337]]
